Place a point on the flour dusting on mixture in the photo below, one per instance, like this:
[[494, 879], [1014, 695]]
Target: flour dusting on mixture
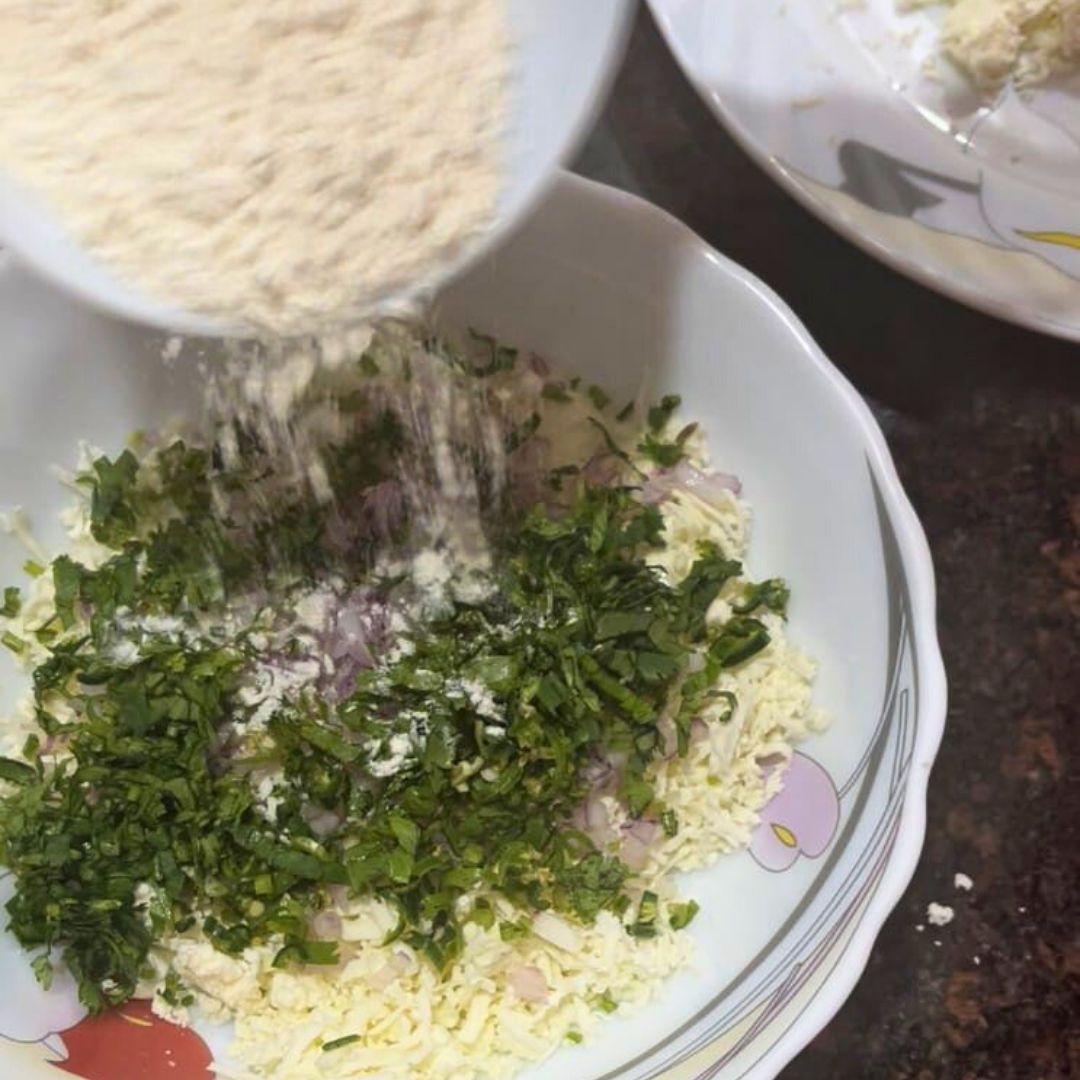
[[268, 161], [393, 761]]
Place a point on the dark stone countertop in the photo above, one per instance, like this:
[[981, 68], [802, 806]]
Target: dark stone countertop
[[984, 422]]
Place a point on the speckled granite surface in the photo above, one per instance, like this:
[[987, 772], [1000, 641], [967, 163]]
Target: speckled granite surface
[[984, 422]]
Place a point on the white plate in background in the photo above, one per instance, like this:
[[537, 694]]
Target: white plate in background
[[849, 107]]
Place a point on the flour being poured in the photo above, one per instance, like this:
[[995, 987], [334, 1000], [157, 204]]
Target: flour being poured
[[276, 163]]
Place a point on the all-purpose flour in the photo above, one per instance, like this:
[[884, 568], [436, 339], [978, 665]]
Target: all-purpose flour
[[276, 161]]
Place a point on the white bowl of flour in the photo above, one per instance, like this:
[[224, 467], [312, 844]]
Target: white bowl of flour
[[394, 142]]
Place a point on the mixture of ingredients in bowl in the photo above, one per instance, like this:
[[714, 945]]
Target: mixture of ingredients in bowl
[[393, 770], [994, 41], [268, 162]]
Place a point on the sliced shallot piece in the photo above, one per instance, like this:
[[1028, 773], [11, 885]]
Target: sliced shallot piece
[[638, 838], [327, 926], [395, 966], [556, 932], [633, 853], [598, 772], [324, 823], [710, 486], [528, 983], [643, 830]]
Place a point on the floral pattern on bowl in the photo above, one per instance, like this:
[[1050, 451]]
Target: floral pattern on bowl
[[800, 820]]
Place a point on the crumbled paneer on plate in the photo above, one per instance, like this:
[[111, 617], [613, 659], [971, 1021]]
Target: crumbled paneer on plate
[[994, 41]]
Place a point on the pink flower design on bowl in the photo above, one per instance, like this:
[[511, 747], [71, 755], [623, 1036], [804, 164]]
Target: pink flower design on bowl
[[801, 819]]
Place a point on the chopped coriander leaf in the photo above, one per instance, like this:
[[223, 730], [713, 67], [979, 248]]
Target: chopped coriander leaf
[[521, 435], [661, 413], [702, 586], [727, 702], [599, 399], [16, 772], [648, 909], [43, 971], [175, 993], [12, 603], [605, 1002], [114, 502], [513, 931], [637, 794], [772, 594], [482, 914], [685, 433], [299, 950], [66, 578], [649, 906], [337, 1044], [612, 446], [500, 357], [681, 916], [663, 452], [556, 392], [738, 640]]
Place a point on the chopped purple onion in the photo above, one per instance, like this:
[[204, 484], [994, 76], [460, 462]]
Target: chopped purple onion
[[710, 486]]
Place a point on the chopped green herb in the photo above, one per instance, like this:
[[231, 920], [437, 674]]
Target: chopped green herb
[[175, 993], [661, 413], [513, 931], [666, 453], [738, 640], [114, 506], [523, 433], [338, 1044], [43, 971], [599, 399], [555, 392], [648, 909], [500, 357], [12, 603], [681, 916], [16, 772], [579, 647], [772, 594]]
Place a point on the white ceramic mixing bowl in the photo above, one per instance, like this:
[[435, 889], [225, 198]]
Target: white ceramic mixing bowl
[[608, 287]]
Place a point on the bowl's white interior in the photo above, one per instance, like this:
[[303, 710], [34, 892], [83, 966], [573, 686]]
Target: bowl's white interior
[[567, 50], [600, 286]]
